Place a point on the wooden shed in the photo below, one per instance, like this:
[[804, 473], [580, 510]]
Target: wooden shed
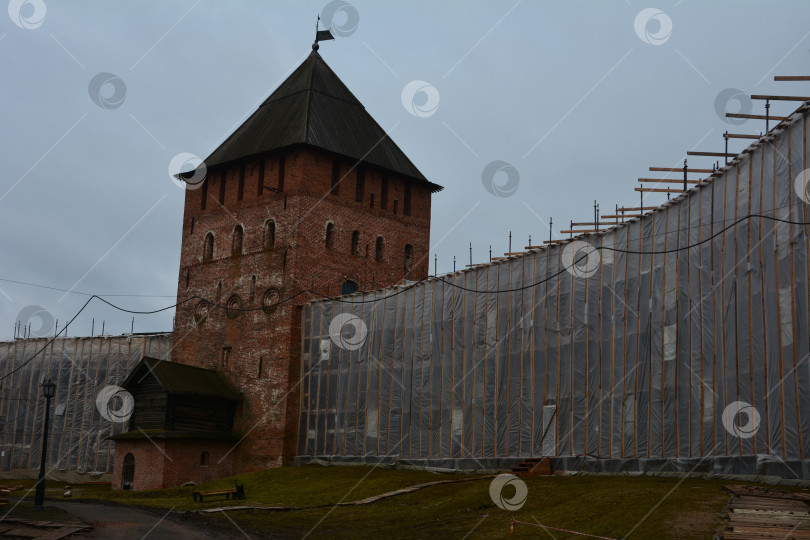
[[179, 398], [180, 429]]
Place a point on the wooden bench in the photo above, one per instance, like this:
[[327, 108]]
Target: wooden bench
[[238, 493]]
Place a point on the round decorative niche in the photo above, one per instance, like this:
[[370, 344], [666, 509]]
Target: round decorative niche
[[270, 299], [201, 311], [233, 307]]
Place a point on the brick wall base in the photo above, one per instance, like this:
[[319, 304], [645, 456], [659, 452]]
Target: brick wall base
[[173, 462]]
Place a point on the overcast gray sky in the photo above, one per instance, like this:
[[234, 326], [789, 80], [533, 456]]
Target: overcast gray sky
[[580, 98]]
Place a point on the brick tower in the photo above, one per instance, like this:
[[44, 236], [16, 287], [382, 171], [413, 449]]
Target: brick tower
[[309, 193]]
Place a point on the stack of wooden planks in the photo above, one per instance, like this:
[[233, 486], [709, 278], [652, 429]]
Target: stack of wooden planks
[[38, 530], [4, 493], [756, 512]]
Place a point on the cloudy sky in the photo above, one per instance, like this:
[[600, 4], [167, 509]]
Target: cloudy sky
[[574, 99]]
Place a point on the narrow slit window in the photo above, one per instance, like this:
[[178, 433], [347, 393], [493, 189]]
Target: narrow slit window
[[208, 249], [260, 183], [238, 236], [204, 194], [384, 193], [360, 193], [269, 234], [330, 235], [408, 257], [226, 358], [281, 173], [406, 207], [378, 249], [335, 176], [356, 243]]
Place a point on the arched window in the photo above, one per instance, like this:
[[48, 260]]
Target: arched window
[[269, 233], [128, 472], [208, 249], [408, 257], [349, 287], [356, 243], [330, 235], [204, 459], [238, 235], [378, 251]]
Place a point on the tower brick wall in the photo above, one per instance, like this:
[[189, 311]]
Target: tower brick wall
[[258, 350]]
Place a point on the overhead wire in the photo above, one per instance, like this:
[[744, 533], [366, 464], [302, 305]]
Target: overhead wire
[[7, 280], [403, 289]]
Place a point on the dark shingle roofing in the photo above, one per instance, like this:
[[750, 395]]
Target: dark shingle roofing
[[180, 379], [314, 107]]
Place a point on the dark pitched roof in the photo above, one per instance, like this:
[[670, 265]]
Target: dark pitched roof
[[180, 379], [314, 107]]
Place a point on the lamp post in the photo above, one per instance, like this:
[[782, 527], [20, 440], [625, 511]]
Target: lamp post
[[48, 390]]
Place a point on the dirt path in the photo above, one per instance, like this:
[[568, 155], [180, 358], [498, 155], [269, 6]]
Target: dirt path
[[114, 522]]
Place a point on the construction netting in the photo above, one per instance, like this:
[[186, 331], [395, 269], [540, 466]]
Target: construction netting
[[680, 334], [87, 372]]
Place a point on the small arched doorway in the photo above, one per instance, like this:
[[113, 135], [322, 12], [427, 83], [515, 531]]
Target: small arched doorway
[[128, 472]]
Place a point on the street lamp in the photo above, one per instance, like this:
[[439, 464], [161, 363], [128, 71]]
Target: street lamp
[[48, 390]]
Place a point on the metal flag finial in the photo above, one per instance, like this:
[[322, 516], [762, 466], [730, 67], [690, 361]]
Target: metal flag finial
[[321, 35]]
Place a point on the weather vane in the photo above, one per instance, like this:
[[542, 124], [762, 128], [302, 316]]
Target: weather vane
[[321, 35]]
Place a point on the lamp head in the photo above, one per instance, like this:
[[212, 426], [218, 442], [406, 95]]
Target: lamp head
[[49, 389]]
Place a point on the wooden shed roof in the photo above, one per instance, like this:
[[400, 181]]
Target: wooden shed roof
[[180, 379]]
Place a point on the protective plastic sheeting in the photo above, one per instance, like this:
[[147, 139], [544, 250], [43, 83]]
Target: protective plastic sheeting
[[683, 335], [81, 368]]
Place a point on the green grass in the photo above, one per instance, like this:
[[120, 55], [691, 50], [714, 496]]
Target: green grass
[[311, 485], [611, 506], [605, 506]]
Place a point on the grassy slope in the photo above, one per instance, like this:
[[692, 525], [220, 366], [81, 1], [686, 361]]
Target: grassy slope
[[606, 506], [595, 505]]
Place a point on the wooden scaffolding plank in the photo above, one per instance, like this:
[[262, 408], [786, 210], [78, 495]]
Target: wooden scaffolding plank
[[659, 190], [710, 154], [669, 181], [780, 98]]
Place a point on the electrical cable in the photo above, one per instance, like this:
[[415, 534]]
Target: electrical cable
[[626, 251], [84, 293], [407, 287]]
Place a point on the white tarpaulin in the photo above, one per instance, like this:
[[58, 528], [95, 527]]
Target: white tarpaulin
[[697, 309], [81, 369]]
